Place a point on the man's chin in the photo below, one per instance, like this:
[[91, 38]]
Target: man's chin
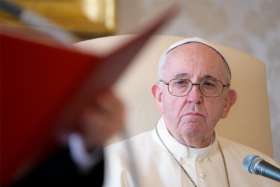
[[192, 127], [196, 121]]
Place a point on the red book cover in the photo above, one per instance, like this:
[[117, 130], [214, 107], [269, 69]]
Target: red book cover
[[44, 85]]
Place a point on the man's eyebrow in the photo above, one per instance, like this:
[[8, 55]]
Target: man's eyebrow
[[188, 76], [209, 77], [182, 75]]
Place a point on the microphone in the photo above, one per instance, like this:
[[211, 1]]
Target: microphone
[[256, 165]]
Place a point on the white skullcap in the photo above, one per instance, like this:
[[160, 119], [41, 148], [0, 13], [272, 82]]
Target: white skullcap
[[191, 40]]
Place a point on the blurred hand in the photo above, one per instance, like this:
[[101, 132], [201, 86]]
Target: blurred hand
[[102, 120]]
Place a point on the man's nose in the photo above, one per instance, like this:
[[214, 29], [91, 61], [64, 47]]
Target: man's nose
[[195, 95]]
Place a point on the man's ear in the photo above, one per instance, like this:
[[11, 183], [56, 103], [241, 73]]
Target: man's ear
[[230, 100], [157, 94]]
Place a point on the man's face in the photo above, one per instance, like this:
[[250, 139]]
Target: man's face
[[194, 116]]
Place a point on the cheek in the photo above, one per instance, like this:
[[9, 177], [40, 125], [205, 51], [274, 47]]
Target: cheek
[[215, 112], [167, 108], [172, 105], [171, 109]]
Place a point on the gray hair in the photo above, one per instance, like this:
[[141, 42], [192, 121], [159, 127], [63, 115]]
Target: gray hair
[[187, 41]]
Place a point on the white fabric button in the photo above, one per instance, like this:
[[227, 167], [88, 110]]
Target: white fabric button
[[201, 160]]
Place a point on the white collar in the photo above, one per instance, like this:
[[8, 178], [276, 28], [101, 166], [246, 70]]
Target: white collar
[[181, 151]]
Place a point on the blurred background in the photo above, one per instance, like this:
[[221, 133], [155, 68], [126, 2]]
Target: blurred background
[[84, 18], [252, 26]]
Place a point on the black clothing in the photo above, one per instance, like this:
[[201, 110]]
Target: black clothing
[[60, 170]]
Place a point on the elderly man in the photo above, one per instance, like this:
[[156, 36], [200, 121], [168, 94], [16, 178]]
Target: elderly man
[[193, 93]]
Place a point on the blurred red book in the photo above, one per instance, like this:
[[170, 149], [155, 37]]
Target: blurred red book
[[44, 85]]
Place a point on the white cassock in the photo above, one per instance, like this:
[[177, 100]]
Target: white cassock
[[157, 167]]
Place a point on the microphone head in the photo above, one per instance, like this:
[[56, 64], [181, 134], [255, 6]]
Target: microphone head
[[250, 161]]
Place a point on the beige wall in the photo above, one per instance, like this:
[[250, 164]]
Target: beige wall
[[252, 26]]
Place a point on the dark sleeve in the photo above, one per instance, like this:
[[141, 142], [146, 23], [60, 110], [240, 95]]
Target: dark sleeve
[[59, 169]]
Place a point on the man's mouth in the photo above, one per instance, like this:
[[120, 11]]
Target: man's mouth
[[198, 114]]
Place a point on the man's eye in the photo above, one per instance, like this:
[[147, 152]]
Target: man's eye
[[181, 83], [209, 84]]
